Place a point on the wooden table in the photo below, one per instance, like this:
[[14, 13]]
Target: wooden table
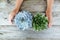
[[11, 32]]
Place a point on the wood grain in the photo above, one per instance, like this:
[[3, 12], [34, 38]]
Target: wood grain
[[11, 32]]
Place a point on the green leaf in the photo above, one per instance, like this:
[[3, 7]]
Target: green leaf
[[39, 22]]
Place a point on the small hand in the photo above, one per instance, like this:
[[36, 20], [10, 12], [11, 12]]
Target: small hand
[[11, 16], [49, 24]]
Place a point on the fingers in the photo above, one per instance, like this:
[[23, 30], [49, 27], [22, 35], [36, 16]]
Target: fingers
[[10, 19], [49, 25]]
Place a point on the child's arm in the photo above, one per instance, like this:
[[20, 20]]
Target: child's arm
[[15, 10], [49, 11]]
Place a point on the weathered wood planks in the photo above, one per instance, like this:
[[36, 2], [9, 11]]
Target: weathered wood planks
[[34, 5], [11, 32], [30, 5]]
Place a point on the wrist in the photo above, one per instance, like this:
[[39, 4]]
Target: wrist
[[16, 10]]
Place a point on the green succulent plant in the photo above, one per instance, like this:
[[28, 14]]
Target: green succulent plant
[[40, 22]]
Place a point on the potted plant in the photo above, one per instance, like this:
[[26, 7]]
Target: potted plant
[[40, 22], [25, 20]]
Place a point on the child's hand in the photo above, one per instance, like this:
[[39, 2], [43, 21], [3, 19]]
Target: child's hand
[[49, 24], [11, 16], [15, 11], [50, 21]]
